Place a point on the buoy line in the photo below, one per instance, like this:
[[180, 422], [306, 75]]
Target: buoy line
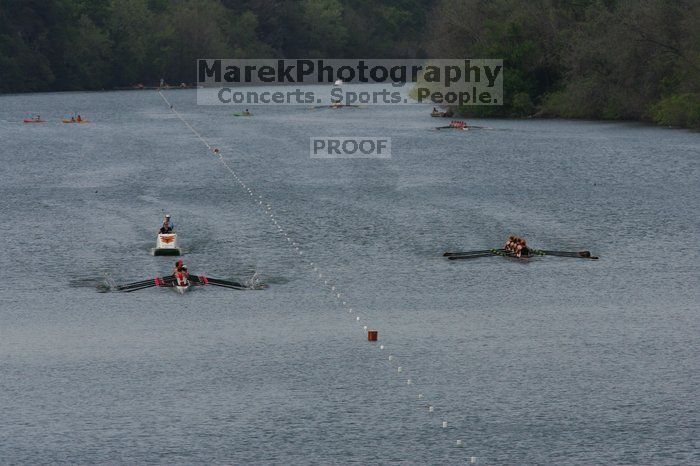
[[317, 273]]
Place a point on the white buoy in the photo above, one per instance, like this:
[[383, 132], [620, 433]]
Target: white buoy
[[444, 424], [398, 369], [430, 409], [381, 346], [391, 357], [420, 396], [472, 460], [408, 382], [459, 443]]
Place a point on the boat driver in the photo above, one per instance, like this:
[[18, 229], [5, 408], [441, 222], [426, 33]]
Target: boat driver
[[167, 226]]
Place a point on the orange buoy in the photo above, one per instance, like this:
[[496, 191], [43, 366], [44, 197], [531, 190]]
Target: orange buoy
[[372, 335]]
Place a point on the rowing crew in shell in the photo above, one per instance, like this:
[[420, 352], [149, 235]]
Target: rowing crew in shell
[[181, 276], [180, 267], [516, 245]]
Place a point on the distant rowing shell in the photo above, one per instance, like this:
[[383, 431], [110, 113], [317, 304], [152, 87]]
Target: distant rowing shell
[[31, 120]]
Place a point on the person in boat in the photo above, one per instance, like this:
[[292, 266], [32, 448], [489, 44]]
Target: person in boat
[[37, 118], [78, 118], [167, 226], [180, 267], [509, 243], [517, 246]]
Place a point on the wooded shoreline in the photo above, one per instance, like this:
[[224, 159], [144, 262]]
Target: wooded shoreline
[[592, 59]]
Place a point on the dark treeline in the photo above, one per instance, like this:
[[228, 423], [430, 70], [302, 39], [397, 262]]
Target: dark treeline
[[101, 44], [600, 59], [610, 59]]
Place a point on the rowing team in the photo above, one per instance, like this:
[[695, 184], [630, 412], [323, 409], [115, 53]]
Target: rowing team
[[516, 245], [181, 274], [458, 124]]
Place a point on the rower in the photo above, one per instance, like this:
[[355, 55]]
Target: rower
[[180, 267], [509, 242], [167, 227]]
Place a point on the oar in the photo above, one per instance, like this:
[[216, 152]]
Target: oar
[[159, 281], [230, 284], [576, 254], [472, 256], [142, 282], [136, 288], [202, 280], [467, 253]]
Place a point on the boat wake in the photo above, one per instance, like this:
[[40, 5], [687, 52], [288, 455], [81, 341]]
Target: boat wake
[[254, 282], [103, 285]]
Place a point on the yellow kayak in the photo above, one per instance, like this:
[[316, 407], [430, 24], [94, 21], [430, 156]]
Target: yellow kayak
[[74, 121]]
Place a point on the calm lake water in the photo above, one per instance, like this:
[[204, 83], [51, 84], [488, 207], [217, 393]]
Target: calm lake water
[[545, 361]]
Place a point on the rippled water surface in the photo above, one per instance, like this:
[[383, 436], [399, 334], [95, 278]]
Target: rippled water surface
[[545, 361]]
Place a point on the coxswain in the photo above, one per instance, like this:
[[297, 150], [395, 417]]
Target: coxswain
[[167, 226]]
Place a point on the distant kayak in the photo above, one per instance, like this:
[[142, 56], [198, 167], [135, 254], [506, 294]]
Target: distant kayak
[[74, 121], [32, 120], [248, 114]]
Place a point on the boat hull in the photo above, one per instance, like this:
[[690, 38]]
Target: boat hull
[[167, 252], [166, 245]]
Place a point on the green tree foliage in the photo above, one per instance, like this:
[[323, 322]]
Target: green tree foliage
[[96, 44], [609, 59], [616, 59]]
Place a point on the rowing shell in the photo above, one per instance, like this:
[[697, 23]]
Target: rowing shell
[[525, 254], [182, 282]]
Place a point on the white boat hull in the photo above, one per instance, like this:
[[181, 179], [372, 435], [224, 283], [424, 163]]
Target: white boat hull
[[166, 245]]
